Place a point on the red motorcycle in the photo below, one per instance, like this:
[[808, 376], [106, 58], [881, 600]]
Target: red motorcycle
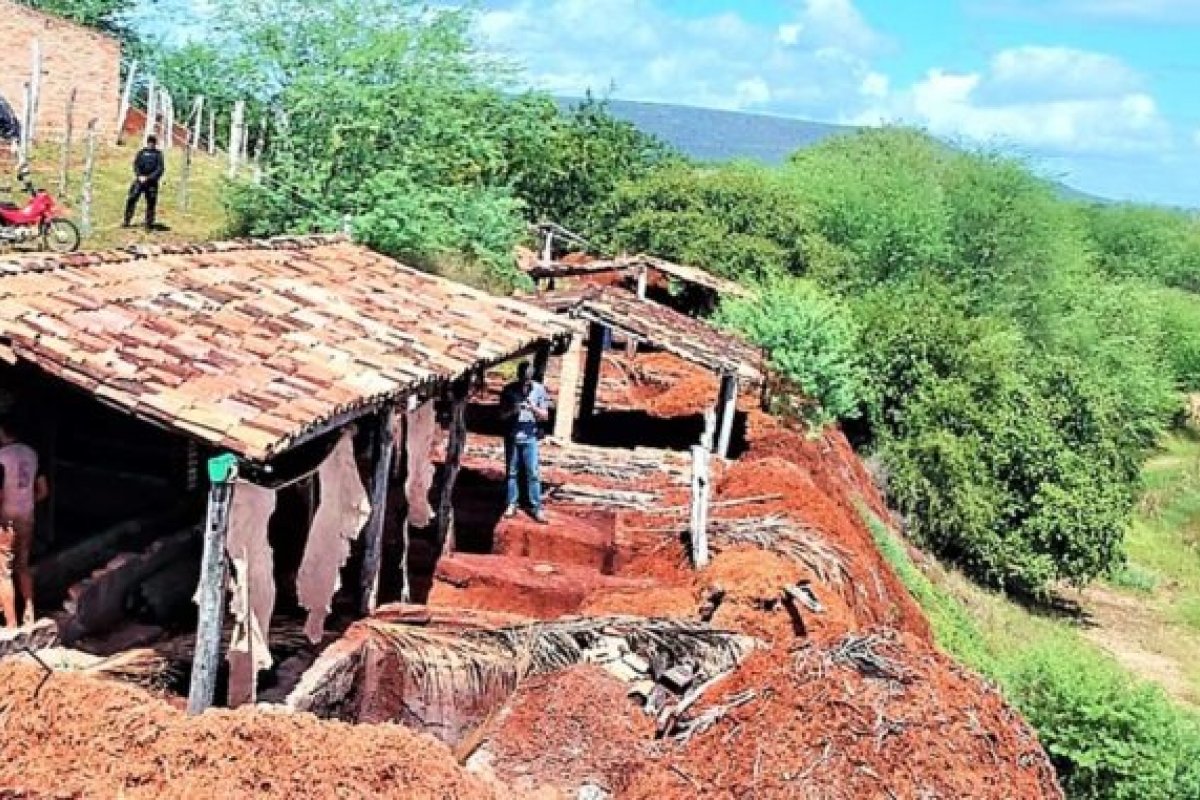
[[37, 221]]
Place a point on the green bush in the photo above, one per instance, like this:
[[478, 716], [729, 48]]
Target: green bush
[[809, 338], [1110, 738]]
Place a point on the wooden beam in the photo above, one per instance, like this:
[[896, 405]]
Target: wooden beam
[[385, 447], [568, 391], [727, 405], [642, 280], [454, 450], [596, 340], [698, 525], [210, 596], [541, 360]]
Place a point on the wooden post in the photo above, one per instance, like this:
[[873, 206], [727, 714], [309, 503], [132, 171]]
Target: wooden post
[[126, 97], [151, 111], [89, 169], [597, 336], [698, 526], [167, 104], [35, 87], [384, 447], [64, 164], [541, 360], [548, 247], [728, 411], [210, 596], [642, 280], [568, 391], [212, 129], [26, 124], [260, 141], [237, 136], [185, 176], [454, 450], [709, 436]]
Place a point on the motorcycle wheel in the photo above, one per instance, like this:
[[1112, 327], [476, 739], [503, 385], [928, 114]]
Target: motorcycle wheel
[[60, 236]]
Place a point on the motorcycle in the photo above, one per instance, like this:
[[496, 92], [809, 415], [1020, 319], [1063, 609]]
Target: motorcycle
[[37, 220]]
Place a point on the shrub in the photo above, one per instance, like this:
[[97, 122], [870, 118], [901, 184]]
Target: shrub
[[810, 339]]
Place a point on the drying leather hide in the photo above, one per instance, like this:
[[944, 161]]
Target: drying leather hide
[[252, 589], [343, 511], [421, 427]]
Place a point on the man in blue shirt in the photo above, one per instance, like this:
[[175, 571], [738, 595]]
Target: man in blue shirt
[[524, 406]]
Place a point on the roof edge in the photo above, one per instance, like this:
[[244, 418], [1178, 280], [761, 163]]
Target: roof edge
[[11, 265]]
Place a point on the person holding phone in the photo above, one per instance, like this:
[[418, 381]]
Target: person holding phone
[[524, 406]]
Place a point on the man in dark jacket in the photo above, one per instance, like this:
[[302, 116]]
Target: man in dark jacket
[[148, 169]]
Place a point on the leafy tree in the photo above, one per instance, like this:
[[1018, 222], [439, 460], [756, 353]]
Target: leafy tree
[[810, 339], [104, 15], [1154, 243], [740, 220]]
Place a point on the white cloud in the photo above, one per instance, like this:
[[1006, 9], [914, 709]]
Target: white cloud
[[808, 66], [1039, 98]]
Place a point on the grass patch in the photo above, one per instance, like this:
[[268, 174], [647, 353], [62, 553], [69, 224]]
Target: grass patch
[[203, 219]]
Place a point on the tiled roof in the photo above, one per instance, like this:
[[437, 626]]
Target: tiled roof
[[659, 326], [630, 265], [255, 345]]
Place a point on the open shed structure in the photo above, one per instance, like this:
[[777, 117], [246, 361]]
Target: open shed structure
[[610, 309], [640, 267], [262, 356]]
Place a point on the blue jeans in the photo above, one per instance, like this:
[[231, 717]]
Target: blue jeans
[[522, 455]]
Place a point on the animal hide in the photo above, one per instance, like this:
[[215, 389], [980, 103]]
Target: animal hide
[[343, 511], [421, 427], [252, 588]]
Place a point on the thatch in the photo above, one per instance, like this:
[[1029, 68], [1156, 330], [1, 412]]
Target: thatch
[[783, 536]]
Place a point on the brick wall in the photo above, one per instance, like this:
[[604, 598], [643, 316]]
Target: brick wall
[[72, 57]]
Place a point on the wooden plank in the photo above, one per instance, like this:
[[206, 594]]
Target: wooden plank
[[597, 337], [385, 448], [454, 450], [642, 280], [210, 596], [728, 411], [698, 526], [568, 391]]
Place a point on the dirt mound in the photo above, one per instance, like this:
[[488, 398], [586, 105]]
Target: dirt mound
[[597, 736], [824, 723], [79, 737]]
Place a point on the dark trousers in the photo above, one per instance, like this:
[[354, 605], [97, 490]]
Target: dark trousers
[[137, 189]]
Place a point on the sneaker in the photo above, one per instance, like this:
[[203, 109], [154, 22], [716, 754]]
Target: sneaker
[[539, 516], [511, 511]]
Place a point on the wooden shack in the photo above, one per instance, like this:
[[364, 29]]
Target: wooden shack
[[159, 382]]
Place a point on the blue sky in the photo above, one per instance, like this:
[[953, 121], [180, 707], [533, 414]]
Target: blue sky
[[1097, 92]]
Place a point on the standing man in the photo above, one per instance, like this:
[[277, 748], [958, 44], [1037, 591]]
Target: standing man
[[148, 169], [21, 489], [524, 405]]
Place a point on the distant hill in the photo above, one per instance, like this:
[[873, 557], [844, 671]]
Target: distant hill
[[710, 135], [707, 134]]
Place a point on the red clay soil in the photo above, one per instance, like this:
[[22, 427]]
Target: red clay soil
[[598, 736], [819, 729], [80, 737], [667, 386], [518, 585]]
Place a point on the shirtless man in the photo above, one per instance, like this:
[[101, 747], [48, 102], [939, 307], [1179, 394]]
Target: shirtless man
[[21, 489]]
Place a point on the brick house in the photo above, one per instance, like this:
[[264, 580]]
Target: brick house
[[73, 57]]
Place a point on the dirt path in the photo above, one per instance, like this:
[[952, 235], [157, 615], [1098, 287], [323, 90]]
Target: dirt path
[[1134, 631]]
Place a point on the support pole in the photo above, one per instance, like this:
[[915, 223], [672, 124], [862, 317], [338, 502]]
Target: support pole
[[698, 526], [727, 404], [35, 88], [210, 595], [64, 162], [454, 450], [642, 280], [237, 137], [126, 98], [89, 171], [568, 391], [541, 360], [597, 338], [385, 447]]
